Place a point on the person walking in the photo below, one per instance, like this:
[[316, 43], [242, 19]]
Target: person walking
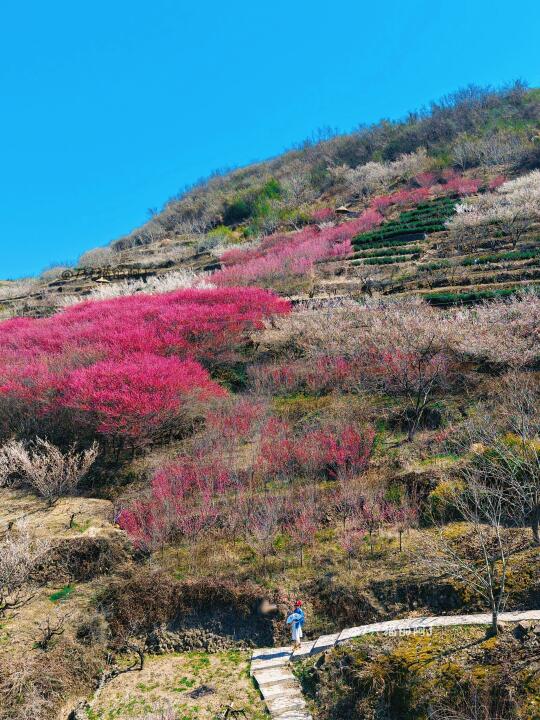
[[296, 620]]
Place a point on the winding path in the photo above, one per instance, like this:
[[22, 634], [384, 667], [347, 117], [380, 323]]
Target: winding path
[[282, 692]]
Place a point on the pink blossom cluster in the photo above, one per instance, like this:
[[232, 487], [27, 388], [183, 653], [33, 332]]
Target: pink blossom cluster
[[295, 254], [401, 198], [323, 215], [321, 374], [183, 503], [128, 365], [331, 452], [279, 255]]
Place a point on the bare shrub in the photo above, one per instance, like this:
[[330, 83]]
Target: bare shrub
[[96, 258], [34, 685], [50, 630], [497, 149], [18, 288], [44, 467], [20, 553], [177, 280], [374, 176]]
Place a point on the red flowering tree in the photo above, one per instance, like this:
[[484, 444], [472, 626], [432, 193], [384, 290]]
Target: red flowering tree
[[333, 452], [137, 396], [129, 364]]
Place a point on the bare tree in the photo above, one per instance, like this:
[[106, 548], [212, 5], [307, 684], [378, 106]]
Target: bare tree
[[262, 527], [511, 209], [480, 559], [44, 467], [50, 630], [19, 555], [97, 258], [502, 437]]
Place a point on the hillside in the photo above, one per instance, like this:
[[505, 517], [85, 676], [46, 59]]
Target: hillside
[[478, 135], [315, 378]]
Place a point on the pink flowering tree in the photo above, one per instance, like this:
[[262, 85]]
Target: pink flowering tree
[[302, 529], [130, 366], [263, 524]]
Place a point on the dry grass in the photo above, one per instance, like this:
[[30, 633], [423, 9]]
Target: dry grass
[[169, 680]]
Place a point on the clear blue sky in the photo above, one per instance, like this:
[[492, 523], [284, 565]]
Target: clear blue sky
[[109, 108]]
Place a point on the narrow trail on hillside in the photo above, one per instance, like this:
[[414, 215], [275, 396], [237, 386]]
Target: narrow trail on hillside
[[281, 690]]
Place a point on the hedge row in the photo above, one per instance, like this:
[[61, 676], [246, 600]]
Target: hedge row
[[411, 250], [449, 298], [501, 257], [423, 219], [390, 260]]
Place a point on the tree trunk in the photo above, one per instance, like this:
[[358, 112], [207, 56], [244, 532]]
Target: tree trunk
[[494, 630], [535, 524]]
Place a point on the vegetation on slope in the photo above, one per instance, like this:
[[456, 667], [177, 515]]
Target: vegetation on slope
[[371, 452]]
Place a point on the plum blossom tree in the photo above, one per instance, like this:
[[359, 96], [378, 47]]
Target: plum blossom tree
[[264, 521], [126, 366], [136, 397], [302, 529], [511, 209]]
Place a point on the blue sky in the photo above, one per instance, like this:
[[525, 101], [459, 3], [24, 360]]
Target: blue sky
[[110, 108]]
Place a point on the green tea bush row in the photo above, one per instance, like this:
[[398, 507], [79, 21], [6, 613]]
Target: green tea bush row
[[449, 298], [382, 252]]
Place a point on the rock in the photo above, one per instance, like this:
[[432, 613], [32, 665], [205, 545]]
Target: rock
[[523, 628], [201, 691], [164, 640]]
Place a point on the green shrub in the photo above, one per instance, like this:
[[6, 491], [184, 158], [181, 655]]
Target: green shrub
[[383, 252], [449, 298], [222, 232], [271, 190], [386, 260], [237, 211], [501, 257]]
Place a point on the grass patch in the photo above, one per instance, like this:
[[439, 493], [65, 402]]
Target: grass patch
[[62, 594]]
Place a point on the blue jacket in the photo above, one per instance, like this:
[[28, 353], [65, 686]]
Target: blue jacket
[[297, 617]]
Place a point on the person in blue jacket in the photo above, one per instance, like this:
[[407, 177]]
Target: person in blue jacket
[[296, 620]]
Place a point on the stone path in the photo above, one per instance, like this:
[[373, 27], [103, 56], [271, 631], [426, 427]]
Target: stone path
[[281, 690]]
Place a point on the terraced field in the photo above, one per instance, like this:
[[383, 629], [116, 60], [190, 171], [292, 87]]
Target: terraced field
[[414, 254]]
